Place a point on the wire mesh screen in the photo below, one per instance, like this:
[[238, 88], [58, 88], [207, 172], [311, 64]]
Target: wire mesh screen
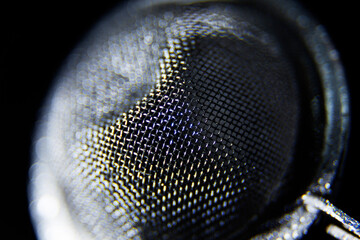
[[172, 123]]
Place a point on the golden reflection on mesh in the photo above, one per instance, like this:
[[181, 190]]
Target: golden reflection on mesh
[[197, 155]]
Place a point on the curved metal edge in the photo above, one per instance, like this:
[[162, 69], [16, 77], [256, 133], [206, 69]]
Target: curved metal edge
[[336, 98]]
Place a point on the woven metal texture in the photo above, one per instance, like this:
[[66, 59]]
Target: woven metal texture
[[168, 125]]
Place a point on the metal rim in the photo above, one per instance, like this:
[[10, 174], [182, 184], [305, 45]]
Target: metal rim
[[337, 117]]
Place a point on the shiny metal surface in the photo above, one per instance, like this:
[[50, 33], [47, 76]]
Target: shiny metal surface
[[292, 224]]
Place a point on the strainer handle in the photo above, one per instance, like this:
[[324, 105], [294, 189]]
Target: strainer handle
[[314, 202]]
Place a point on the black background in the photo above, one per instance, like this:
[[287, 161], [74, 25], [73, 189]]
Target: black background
[[35, 39]]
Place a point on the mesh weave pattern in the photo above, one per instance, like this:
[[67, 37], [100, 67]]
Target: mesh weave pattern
[[182, 130]]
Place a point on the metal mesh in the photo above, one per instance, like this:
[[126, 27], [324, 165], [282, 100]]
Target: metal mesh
[[172, 123]]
